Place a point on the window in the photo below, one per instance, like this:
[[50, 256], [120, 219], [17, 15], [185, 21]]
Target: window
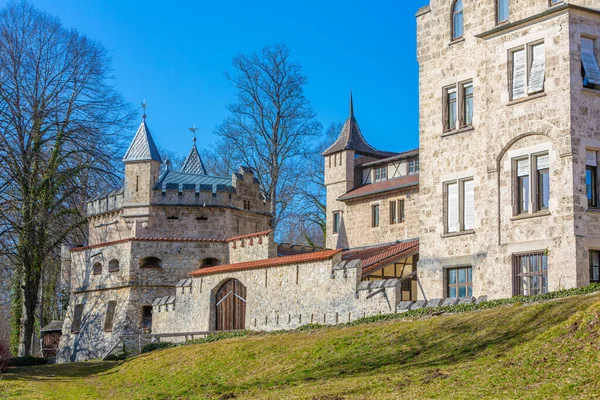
[[400, 210], [460, 282], [458, 106], [589, 63], [381, 173], [110, 316], [460, 205], [543, 182], [413, 166], [337, 216], [457, 20], [393, 212], [113, 266], [591, 178], [97, 269], [77, 315], [147, 319], [375, 215], [209, 262], [467, 113], [502, 10], [553, 2], [539, 186], [451, 108], [530, 274], [527, 70], [594, 266]]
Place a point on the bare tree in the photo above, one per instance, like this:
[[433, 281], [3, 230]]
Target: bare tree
[[271, 122], [60, 120]]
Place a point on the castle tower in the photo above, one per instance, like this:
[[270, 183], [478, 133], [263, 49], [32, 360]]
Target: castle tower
[[340, 175], [142, 167]]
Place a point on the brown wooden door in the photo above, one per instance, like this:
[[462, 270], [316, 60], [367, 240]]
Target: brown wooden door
[[231, 306]]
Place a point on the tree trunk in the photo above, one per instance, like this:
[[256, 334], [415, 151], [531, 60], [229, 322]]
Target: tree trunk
[[28, 319]]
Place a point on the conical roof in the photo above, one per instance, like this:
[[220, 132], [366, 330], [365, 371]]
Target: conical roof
[[142, 147], [351, 138], [193, 163]]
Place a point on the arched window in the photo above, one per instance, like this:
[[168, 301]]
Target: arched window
[[113, 266], [209, 262], [97, 269], [457, 20], [151, 262]]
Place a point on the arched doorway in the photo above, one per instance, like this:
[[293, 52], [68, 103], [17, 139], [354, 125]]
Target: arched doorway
[[231, 306]]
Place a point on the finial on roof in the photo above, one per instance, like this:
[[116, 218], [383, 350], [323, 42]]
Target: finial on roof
[[193, 130], [144, 105], [351, 104]]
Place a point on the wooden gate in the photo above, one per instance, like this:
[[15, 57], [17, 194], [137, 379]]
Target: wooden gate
[[231, 306]]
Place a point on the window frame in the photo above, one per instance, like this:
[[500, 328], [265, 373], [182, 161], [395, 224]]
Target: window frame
[[401, 211], [468, 284], [593, 202], [97, 268], [337, 223], [77, 318], [453, 24], [458, 106], [413, 166], [518, 275], [528, 49], [533, 188], [591, 253], [380, 173], [464, 109], [595, 44], [504, 21], [460, 204], [109, 323], [375, 216], [393, 212]]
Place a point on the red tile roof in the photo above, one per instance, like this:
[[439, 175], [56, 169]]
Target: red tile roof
[[382, 187], [374, 258], [268, 263]]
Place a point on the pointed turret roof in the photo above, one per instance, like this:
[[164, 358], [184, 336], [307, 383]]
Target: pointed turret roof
[[351, 138], [193, 163], [142, 147]]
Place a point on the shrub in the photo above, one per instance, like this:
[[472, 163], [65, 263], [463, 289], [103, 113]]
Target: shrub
[[156, 346], [27, 361]]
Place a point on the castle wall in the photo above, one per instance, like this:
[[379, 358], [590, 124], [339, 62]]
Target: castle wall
[[283, 297]]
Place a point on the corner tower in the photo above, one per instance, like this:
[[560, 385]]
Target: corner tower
[[142, 167], [340, 175]]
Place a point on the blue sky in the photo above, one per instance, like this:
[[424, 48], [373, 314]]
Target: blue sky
[[174, 54]]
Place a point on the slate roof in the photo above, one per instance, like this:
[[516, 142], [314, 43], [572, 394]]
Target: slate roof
[[351, 138], [399, 156], [375, 258], [181, 178], [142, 147], [268, 263], [193, 163], [382, 187]]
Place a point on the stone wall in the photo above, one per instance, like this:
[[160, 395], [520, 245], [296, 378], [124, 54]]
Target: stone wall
[[502, 129], [252, 247], [282, 297], [356, 226]]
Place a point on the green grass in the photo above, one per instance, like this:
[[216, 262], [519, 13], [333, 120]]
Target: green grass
[[543, 350]]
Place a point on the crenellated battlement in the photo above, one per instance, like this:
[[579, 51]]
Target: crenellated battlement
[[106, 202]]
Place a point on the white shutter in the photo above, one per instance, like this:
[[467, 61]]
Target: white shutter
[[453, 207], [519, 74], [538, 68], [469, 204], [590, 158], [589, 61], [523, 167], [543, 162]]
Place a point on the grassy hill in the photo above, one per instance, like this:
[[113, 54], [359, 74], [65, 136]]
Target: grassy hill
[[543, 350]]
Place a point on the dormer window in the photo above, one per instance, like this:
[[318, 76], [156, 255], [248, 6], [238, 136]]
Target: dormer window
[[457, 20], [413, 166], [380, 174]]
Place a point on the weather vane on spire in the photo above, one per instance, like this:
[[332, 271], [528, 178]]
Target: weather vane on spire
[[193, 130], [144, 105]]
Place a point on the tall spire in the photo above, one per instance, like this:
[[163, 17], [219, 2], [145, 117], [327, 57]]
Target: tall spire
[[193, 163], [351, 138], [142, 148]]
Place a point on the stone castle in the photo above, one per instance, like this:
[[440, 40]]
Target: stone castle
[[501, 199]]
